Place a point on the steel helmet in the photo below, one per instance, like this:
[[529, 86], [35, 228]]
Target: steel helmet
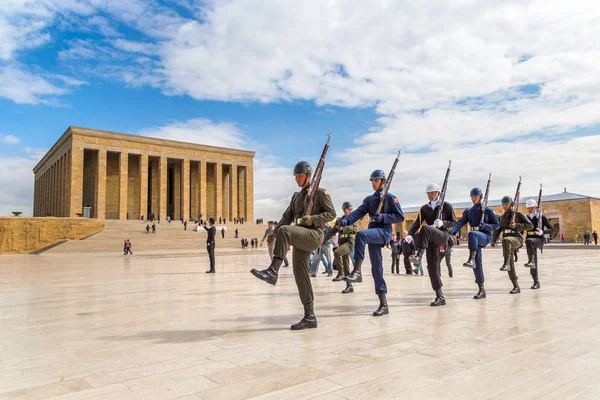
[[531, 203], [377, 174], [432, 187], [507, 200], [303, 167], [476, 192], [347, 205]]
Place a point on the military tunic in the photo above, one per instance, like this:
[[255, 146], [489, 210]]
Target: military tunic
[[304, 239], [341, 255], [534, 242], [512, 238]]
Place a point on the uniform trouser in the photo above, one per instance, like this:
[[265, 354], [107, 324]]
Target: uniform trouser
[[271, 246], [509, 245], [477, 241], [210, 248], [532, 244], [395, 263], [305, 241], [341, 257], [376, 238], [407, 264], [431, 239], [447, 255]]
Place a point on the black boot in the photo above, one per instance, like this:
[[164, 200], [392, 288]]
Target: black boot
[[210, 271], [531, 263], [415, 259], [516, 289], [506, 266], [440, 300], [349, 288], [308, 321], [269, 275], [536, 283], [450, 274], [339, 276], [481, 294], [471, 261], [383, 307], [355, 275]]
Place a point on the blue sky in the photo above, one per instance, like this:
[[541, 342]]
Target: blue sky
[[441, 80]]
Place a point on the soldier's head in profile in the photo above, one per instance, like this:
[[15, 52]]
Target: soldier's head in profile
[[377, 179], [303, 174]]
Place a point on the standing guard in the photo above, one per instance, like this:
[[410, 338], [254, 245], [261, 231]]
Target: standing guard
[[535, 238]]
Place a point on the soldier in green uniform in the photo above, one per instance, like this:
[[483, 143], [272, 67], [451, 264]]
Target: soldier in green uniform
[[512, 238], [341, 255], [306, 236]]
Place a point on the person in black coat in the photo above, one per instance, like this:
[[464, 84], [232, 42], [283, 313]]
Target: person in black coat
[[210, 244]]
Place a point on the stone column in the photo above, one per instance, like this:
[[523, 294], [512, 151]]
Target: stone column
[[226, 192], [203, 178], [101, 185], [219, 190], [163, 188], [68, 189], [185, 176], [250, 193], [143, 186], [51, 178], [59, 192], [76, 205], [123, 185], [233, 192]]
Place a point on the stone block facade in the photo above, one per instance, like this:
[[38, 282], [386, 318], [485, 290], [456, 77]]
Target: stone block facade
[[24, 235], [122, 176]]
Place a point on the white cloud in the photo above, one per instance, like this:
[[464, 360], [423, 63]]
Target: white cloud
[[10, 139], [16, 174], [23, 87]]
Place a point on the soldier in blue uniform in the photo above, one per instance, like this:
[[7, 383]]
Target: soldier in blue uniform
[[479, 236], [378, 234]]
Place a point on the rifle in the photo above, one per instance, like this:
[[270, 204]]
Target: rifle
[[485, 200], [516, 206], [316, 180], [540, 225], [388, 183], [444, 188]]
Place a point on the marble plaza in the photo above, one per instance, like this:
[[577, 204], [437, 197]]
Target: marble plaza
[[83, 325]]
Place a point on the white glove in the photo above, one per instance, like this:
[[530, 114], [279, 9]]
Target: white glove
[[539, 232], [409, 239], [438, 223]]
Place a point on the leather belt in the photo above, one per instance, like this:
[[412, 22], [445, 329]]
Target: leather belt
[[346, 235], [531, 233], [475, 228], [509, 231]]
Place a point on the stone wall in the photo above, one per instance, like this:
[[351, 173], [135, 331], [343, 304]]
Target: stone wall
[[24, 235]]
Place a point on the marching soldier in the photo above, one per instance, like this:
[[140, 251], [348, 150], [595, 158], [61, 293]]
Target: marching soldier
[[535, 239], [479, 236], [512, 238], [341, 255], [377, 235], [306, 237], [429, 234]]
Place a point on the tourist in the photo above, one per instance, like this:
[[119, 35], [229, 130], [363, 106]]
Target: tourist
[[407, 249], [125, 247], [236, 233], [595, 236], [394, 246], [222, 233], [535, 239], [446, 254], [479, 236], [210, 244], [128, 247], [586, 238], [142, 219], [220, 220], [252, 243], [147, 229], [153, 227], [342, 253], [377, 235], [430, 233], [185, 225], [306, 236], [576, 238], [242, 243], [562, 238], [512, 238]]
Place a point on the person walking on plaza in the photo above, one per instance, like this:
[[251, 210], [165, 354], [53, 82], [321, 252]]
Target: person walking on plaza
[[236, 233], [223, 233], [595, 236], [127, 247], [575, 238], [586, 238], [377, 235], [407, 249], [269, 238], [431, 233], [210, 243], [535, 239], [395, 247], [147, 229], [305, 237], [479, 236], [153, 227], [562, 238], [341, 255], [512, 238], [185, 225]]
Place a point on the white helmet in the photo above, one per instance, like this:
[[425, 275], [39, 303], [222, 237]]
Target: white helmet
[[531, 203], [432, 187]]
